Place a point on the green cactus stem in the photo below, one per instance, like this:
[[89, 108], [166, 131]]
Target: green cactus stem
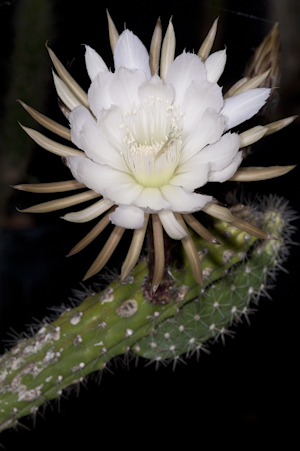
[[119, 319]]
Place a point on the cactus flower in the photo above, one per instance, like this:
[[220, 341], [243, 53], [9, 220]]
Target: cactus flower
[[149, 142]]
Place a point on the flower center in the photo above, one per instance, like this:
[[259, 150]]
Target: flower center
[[152, 142]]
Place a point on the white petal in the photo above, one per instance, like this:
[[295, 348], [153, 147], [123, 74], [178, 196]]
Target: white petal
[[77, 117], [229, 171], [131, 53], [209, 130], [155, 88], [182, 201], [95, 176], [220, 154], [85, 135], [128, 217], [151, 201], [89, 213], [94, 63], [171, 225], [186, 68], [200, 96], [124, 193], [243, 106], [123, 89], [98, 93], [109, 127], [214, 65], [193, 178]]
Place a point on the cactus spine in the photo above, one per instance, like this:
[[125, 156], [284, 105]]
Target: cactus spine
[[118, 319]]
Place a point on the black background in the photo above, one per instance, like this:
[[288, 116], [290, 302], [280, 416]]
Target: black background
[[244, 394]]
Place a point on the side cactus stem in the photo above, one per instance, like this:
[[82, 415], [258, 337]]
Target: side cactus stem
[[120, 318]]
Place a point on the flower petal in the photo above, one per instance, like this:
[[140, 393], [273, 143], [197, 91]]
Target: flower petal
[[151, 201], [124, 193], [214, 65], [208, 131], [95, 176], [123, 89], [110, 127], [186, 68], [243, 106], [182, 201], [131, 53], [94, 63], [128, 217], [98, 93], [86, 136], [194, 177], [89, 213], [228, 171], [171, 225], [155, 88], [199, 96], [219, 155]]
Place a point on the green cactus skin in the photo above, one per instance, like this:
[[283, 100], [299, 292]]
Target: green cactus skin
[[83, 339]]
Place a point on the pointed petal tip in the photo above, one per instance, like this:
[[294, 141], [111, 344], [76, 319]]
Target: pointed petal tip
[[19, 187]]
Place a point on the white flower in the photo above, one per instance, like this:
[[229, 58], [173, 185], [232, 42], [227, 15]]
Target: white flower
[[148, 142]]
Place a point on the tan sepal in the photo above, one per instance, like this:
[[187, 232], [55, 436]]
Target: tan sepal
[[159, 253], [254, 174], [250, 228], [155, 48], [134, 249], [199, 228], [112, 31], [64, 109], [55, 187], [52, 146], [278, 125], [191, 252], [252, 135], [99, 227], [66, 77], [235, 87], [48, 123], [106, 252], [59, 204], [208, 42], [252, 83], [167, 51], [218, 212]]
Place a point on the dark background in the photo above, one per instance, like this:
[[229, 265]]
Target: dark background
[[243, 394]]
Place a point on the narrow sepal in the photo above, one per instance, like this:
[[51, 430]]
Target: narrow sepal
[[59, 204], [52, 146], [254, 174], [106, 252], [112, 31], [55, 187], [199, 228], [66, 77], [208, 42], [167, 51], [155, 48], [134, 249], [48, 123], [99, 227], [218, 212], [159, 253], [191, 252]]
